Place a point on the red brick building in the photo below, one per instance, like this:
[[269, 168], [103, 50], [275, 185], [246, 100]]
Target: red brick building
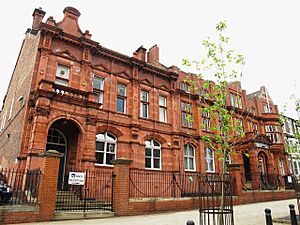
[[93, 104]]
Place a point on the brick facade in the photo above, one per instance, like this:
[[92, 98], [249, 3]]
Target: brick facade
[[68, 104]]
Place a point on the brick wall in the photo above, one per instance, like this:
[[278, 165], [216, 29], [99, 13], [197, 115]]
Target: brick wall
[[18, 214], [16, 101]]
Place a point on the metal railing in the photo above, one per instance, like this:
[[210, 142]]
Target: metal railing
[[23, 185], [95, 194]]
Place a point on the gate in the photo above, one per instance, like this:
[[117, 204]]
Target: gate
[[94, 195]]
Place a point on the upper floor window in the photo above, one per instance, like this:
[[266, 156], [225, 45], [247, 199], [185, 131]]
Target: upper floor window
[[273, 133], [11, 110], [152, 155], [62, 75], [185, 87], [189, 157], [144, 106], [209, 160], [98, 88], [252, 110], [186, 114], [236, 101], [121, 98], [162, 109], [267, 108], [206, 122], [106, 147]]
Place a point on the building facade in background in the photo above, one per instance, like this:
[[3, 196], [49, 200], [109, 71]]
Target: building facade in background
[[291, 131], [68, 93]]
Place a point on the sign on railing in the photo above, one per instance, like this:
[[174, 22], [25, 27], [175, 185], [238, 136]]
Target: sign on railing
[[76, 178]]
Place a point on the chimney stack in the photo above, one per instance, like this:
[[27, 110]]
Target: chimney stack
[[140, 53], [38, 15], [153, 55]]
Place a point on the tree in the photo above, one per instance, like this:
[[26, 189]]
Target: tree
[[225, 66]]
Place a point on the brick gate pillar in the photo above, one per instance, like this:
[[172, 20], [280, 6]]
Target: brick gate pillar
[[121, 187], [235, 170], [48, 184]]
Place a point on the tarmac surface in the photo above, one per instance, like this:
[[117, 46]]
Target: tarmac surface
[[248, 214]]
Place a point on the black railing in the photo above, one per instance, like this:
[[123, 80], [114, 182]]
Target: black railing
[[22, 184], [95, 194]]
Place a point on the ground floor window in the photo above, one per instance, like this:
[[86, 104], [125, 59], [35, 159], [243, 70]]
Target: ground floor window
[[209, 160], [189, 157], [106, 147], [152, 155]]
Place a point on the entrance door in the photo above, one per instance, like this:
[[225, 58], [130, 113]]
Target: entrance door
[[247, 167], [57, 141]]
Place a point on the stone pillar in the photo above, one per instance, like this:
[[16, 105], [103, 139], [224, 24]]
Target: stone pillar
[[235, 170], [121, 187], [48, 184]]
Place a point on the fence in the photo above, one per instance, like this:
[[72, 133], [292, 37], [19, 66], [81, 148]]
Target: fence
[[167, 184], [95, 194], [24, 185]]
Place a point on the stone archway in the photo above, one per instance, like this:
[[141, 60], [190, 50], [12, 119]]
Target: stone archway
[[63, 136]]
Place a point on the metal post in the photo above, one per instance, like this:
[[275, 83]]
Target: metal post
[[293, 214], [268, 217], [190, 222]]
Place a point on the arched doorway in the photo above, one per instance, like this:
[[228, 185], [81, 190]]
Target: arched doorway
[[247, 166], [56, 140], [63, 136]]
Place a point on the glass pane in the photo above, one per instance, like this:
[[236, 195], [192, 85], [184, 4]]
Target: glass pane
[[100, 146], [162, 101], [185, 150], [121, 105], [144, 96], [100, 97], [183, 119], [148, 162], [183, 106], [181, 85], [156, 143], [100, 137], [99, 157], [121, 90], [156, 163], [147, 143], [191, 151], [186, 163], [148, 152], [98, 83], [61, 82], [162, 115], [110, 148], [110, 137], [109, 158], [62, 71], [191, 163], [144, 110], [156, 153]]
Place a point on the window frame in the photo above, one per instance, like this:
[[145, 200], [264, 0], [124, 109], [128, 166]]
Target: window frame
[[189, 157], [105, 152], [205, 120], [211, 158], [186, 110], [62, 80], [152, 147], [121, 97], [163, 108], [99, 91], [281, 167], [144, 103]]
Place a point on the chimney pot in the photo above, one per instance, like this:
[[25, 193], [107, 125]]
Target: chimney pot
[[153, 55], [140, 53], [38, 15]]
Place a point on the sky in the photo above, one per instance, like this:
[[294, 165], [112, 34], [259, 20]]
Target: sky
[[265, 32]]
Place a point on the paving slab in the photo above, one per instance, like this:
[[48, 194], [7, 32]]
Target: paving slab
[[248, 214]]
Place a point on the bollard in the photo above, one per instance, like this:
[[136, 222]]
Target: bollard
[[190, 222], [268, 217], [293, 214]]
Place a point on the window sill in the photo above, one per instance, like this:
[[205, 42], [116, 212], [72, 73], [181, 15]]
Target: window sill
[[103, 165], [155, 169]]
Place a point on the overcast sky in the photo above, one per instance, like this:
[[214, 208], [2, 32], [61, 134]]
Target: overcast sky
[[265, 32]]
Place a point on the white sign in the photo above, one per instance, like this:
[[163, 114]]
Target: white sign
[[76, 178], [261, 145], [289, 178]]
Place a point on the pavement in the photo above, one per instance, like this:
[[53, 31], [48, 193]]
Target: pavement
[[248, 214]]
